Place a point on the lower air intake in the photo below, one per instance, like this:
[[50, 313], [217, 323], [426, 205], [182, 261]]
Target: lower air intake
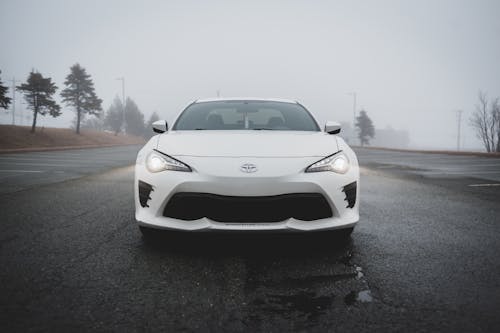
[[301, 206]]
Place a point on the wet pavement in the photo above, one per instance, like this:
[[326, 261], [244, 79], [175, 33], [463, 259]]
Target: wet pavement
[[485, 168], [424, 257], [21, 171]]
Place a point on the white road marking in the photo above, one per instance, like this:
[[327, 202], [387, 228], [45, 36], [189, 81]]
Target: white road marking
[[46, 164], [485, 185], [391, 166], [464, 172], [431, 157], [93, 159], [21, 171]]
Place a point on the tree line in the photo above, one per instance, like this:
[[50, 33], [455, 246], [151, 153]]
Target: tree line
[[79, 94]]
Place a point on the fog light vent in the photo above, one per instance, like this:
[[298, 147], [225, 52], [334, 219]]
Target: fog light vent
[[144, 191], [350, 194]]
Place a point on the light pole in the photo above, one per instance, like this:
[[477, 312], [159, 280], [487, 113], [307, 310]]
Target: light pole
[[459, 125], [123, 101], [14, 81], [354, 97]]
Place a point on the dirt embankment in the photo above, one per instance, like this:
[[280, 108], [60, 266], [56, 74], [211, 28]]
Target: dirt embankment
[[19, 138]]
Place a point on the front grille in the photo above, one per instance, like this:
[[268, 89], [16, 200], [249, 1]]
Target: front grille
[[277, 208], [350, 194], [144, 192]]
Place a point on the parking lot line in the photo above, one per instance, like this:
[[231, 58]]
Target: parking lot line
[[36, 171]]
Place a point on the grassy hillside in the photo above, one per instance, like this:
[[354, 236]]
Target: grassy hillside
[[19, 137]]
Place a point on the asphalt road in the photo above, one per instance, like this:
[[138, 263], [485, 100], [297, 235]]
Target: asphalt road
[[24, 170], [434, 165], [424, 257]]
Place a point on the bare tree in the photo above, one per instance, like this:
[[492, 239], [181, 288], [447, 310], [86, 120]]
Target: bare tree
[[486, 122], [496, 118]]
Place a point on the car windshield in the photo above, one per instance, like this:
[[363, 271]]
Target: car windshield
[[246, 115]]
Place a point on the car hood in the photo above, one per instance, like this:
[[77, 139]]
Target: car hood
[[247, 143]]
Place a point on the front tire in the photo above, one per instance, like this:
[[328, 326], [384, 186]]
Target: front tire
[[150, 234], [345, 233], [339, 235]]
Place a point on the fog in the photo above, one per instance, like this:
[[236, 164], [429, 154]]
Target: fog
[[411, 63]]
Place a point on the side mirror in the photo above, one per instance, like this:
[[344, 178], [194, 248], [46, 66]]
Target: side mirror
[[160, 126], [332, 127]]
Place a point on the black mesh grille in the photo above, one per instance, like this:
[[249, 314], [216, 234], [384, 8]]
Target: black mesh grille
[[350, 194], [301, 206], [144, 192]]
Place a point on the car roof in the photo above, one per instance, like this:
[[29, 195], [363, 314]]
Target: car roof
[[224, 99]]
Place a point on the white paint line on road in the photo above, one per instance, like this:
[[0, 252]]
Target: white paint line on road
[[37, 171], [429, 157], [391, 166], [441, 172], [80, 159], [485, 185], [463, 164], [432, 162], [46, 164], [464, 168]]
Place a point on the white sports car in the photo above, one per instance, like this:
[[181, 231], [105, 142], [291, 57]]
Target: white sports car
[[246, 164]]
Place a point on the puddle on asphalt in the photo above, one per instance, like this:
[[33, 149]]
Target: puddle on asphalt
[[309, 281], [363, 296], [306, 289], [307, 304], [359, 273], [282, 282]]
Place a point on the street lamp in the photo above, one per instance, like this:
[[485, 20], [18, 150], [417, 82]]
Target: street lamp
[[123, 101], [459, 125]]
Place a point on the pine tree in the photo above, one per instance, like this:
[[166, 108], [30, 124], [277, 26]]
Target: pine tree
[[80, 94], [134, 119], [365, 128], [38, 93], [4, 100], [114, 116]]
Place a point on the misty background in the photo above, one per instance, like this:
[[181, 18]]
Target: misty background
[[411, 63]]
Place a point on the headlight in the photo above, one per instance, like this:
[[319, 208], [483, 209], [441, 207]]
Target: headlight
[[156, 162], [337, 162]]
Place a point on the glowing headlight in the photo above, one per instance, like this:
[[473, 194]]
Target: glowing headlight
[[338, 163], [156, 162]]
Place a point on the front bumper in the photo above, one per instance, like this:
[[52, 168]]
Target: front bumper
[[289, 178]]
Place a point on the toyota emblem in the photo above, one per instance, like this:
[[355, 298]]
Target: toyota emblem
[[248, 168]]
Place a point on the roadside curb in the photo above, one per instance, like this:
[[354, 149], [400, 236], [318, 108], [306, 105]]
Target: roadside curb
[[447, 152], [55, 148]]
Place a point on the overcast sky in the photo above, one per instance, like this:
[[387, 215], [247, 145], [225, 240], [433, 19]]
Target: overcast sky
[[412, 63]]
